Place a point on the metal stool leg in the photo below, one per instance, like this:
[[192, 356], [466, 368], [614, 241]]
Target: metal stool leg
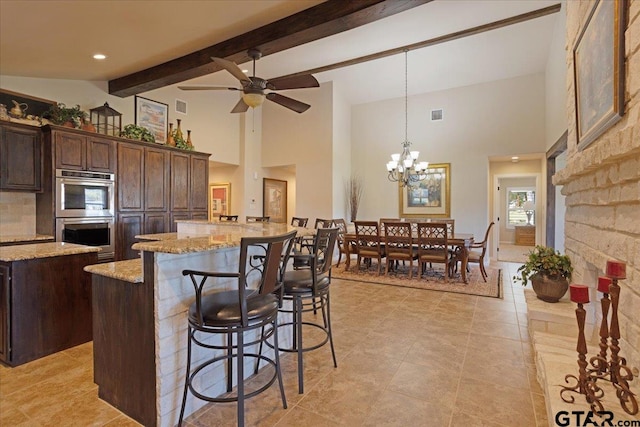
[[186, 378], [240, 387]]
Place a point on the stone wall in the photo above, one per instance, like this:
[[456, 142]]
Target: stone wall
[[602, 186]]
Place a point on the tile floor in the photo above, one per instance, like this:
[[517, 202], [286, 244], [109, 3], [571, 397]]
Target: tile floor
[[405, 357]]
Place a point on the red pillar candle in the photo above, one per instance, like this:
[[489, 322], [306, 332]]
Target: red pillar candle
[[603, 284], [579, 293], [616, 269]]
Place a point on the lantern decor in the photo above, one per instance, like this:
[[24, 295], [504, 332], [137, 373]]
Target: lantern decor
[[106, 120], [613, 369]]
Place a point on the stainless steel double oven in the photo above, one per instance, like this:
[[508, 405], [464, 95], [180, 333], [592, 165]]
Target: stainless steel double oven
[[85, 209]]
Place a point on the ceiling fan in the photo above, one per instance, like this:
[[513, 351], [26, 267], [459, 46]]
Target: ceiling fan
[[253, 88]]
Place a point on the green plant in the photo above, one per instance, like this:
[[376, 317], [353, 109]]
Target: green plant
[[59, 114], [180, 141], [546, 261], [139, 133]]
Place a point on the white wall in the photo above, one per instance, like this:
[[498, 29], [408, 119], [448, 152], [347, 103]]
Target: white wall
[[555, 82], [341, 153], [497, 118], [304, 141]]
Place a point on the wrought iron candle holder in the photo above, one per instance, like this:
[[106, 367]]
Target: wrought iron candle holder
[[599, 363], [619, 373], [585, 384]]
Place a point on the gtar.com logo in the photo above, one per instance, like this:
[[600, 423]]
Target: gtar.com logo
[[590, 418]]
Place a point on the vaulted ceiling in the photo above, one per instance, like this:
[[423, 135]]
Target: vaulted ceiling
[[56, 39]]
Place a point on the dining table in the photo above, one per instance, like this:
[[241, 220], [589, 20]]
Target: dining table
[[462, 241]]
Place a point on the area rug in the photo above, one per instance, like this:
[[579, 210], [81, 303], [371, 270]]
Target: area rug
[[433, 279]]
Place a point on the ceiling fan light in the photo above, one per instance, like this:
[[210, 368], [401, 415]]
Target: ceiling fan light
[[253, 99]]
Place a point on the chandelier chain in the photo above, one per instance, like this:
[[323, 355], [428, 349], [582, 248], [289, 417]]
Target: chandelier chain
[[406, 97]]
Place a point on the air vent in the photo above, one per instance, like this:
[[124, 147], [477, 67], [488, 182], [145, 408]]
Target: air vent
[[436, 115], [181, 106]]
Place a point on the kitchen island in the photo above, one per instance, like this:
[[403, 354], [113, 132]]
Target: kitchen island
[[140, 316], [45, 299]]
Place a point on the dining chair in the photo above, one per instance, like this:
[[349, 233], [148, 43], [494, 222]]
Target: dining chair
[[341, 225], [369, 243], [480, 251], [257, 219], [299, 222], [251, 305], [398, 244], [433, 246], [228, 218]]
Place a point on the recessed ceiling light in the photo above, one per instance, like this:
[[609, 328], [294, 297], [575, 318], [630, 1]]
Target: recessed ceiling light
[[245, 71], [99, 56], [514, 159]]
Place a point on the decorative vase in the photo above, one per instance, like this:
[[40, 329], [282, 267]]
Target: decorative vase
[[88, 126], [170, 141], [179, 136], [189, 143], [549, 288], [69, 124]]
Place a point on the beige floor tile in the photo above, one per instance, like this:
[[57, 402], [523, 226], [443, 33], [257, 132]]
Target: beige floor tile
[[461, 419], [496, 329], [434, 384], [298, 416], [394, 409]]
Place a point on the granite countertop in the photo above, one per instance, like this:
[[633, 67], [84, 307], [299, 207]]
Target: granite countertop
[[13, 238], [128, 271], [158, 236], [42, 250], [213, 235]]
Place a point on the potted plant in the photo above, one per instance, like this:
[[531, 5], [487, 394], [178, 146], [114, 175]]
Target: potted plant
[[60, 114], [549, 272], [136, 132]]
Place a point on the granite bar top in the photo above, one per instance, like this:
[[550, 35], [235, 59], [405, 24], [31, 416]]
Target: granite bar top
[[128, 271], [205, 236], [158, 236], [14, 238], [42, 250]]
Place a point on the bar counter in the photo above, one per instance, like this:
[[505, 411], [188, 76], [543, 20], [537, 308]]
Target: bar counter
[[140, 326]]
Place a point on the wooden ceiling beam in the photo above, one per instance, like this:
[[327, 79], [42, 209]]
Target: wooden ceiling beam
[[434, 41], [323, 20]]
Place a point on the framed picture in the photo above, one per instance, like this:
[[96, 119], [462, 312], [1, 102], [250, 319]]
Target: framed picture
[[430, 197], [274, 199], [154, 116], [598, 59], [29, 105], [219, 199]]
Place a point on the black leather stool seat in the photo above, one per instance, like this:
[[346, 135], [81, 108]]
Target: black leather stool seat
[[301, 282], [224, 308]]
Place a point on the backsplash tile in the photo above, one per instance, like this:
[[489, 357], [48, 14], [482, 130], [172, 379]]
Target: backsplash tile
[[17, 213]]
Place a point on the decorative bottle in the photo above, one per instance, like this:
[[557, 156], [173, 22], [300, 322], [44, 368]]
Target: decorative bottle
[[189, 143], [178, 136], [170, 141]]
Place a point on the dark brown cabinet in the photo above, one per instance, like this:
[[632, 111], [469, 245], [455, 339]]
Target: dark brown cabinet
[[4, 312], [45, 306], [21, 158], [128, 226], [180, 182], [79, 151], [199, 188], [130, 177], [156, 179]]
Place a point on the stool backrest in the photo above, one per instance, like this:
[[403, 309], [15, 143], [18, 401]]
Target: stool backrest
[[299, 222], [258, 219], [228, 218], [324, 243]]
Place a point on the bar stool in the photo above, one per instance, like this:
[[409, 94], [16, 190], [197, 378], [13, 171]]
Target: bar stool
[[308, 291], [258, 219], [253, 306], [228, 218]]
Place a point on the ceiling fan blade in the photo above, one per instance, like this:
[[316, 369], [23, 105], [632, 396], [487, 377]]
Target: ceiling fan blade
[[293, 82], [207, 88], [241, 107], [232, 68], [290, 103]]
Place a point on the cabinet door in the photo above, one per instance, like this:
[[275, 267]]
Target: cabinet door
[[130, 182], [199, 183], [199, 215], [71, 151], [180, 182], [5, 314], [155, 222], [129, 225], [20, 159], [100, 155], [156, 179]]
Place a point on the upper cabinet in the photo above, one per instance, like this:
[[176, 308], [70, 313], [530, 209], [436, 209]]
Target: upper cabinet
[[20, 158], [81, 151]]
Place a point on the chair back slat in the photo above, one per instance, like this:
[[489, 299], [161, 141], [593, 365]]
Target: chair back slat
[[258, 219], [433, 238], [397, 237], [228, 218], [299, 222]]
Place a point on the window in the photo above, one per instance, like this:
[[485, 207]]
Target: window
[[521, 208]]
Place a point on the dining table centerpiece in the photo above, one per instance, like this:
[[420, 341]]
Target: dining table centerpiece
[[549, 272]]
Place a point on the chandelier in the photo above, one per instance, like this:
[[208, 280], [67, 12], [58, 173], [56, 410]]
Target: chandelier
[[404, 167]]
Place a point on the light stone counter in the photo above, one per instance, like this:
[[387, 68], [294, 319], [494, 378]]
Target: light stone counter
[[16, 238], [42, 250], [128, 271]]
